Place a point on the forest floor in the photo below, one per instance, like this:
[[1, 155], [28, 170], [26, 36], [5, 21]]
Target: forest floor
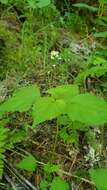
[[50, 48]]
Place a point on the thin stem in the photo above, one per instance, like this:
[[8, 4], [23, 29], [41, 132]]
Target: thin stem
[[55, 143], [77, 177]]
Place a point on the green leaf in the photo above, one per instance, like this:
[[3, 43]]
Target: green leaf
[[32, 3], [102, 2], [18, 136], [38, 3], [96, 71], [51, 168], [47, 108], [44, 185], [85, 6], [28, 163], [21, 101], [64, 135], [65, 92], [58, 184], [99, 177], [43, 3], [101, 34], [4, 1], [87, 108], [63, 120], [99, 60]]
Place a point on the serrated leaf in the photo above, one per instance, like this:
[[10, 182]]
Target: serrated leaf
[[47, 108], [28, 163], [85, 6], [65, 92], [21, 101], [87, 108], [99, 177], [58, 183]]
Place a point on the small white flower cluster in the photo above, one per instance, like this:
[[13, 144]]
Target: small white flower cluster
[[55, 55]]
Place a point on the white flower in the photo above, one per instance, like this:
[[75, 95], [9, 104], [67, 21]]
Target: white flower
[[55, 54], [54, 65]]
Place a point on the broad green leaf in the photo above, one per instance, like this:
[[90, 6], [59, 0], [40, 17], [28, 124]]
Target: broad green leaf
[[28, 163], [51, 168], [58, 184], [87, 108], [65, 92], [21, 101], [85, 6], [47, 108], [43, 3], [99, 177], [101, 34]]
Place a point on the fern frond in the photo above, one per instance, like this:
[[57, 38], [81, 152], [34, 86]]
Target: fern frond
[[96, 71]]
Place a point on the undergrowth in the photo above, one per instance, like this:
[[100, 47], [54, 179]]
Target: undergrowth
[[53, 105]]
